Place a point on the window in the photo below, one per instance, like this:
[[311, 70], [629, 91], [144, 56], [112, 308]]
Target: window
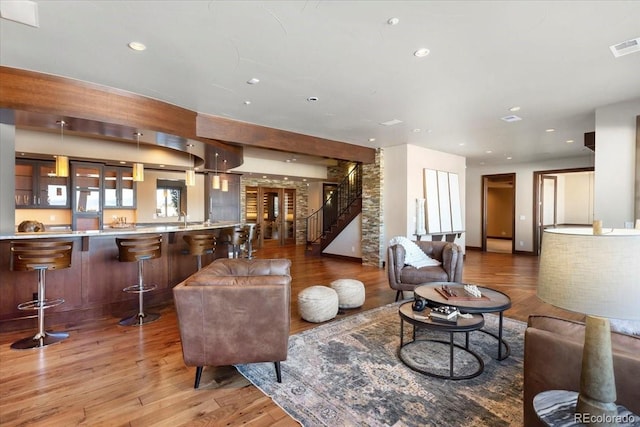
[[171, 198]]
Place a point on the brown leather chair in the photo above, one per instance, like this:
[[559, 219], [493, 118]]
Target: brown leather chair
[[235, 311], [406, 278]]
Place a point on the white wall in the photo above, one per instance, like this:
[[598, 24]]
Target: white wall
[[615, 163], [524, 197], [348, 243], [577, 198], [404, 183]]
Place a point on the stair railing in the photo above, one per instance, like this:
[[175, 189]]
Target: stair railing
[[348, 191]]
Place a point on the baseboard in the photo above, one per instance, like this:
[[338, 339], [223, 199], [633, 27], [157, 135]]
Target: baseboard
[[343, 257]]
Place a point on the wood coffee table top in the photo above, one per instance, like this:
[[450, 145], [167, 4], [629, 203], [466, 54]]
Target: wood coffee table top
[[491, 300]]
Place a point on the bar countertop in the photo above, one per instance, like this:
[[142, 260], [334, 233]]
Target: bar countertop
[[147, 229]]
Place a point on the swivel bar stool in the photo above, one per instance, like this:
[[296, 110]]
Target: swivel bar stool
[[139, 249], [200, 244], [40, 255]]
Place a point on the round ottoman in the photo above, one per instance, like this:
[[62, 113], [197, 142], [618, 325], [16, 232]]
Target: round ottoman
[[350, 292], [318, 304]]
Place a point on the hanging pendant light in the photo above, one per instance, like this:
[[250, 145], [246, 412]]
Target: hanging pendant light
[[225, 181], [215, 182], [190, 174], [62, 162], [138, 168]]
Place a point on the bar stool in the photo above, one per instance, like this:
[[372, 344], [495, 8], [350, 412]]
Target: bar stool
[[200, 244], [40, 256], [235, 237], [139, 249]]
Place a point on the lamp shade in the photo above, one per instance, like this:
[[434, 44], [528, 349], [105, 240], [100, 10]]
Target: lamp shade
[[138, 172], [190, 178], [215, 182], [597, 275], [62, 166], [225, 185]]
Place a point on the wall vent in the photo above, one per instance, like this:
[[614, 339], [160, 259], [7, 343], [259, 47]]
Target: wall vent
[[511, 118]]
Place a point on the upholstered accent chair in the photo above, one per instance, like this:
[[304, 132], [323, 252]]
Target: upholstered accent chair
[[235, 311], [405, 277]]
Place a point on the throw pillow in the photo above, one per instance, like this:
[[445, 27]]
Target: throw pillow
[[631, 327], [414, 256]]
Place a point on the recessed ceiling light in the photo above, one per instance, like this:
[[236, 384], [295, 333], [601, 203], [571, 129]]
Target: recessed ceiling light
[[247, 102], [488, 151], [391, 122], [312, 98], [514, 109], [190, 145], [417, 130], [122, 162], [137, 46], [372, 139], [570, 141], [422, 52], [253, 81], [550, 130], [264, 176], [461, 144], [285, 178], [393, 21], [509, 157], [304, 179], [161, 166]]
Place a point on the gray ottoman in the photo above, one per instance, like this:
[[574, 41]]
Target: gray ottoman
[[318, 304], [350, 292]]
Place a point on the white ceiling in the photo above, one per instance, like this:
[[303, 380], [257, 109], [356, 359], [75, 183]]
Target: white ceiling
[[551, 58]]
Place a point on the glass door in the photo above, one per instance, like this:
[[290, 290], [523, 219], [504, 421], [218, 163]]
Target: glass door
[[87, 200]]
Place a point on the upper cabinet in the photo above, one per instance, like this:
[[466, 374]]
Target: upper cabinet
[[37, 186], [119, 188]]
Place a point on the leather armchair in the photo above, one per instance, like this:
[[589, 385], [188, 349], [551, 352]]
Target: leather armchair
[[406, 278], [235, 311]]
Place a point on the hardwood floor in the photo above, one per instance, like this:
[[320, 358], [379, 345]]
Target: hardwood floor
[[108, 375]]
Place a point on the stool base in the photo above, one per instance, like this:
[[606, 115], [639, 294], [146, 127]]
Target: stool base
[[139, 319], [39, 342]]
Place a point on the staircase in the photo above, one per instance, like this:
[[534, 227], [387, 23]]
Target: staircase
[[344, 204]]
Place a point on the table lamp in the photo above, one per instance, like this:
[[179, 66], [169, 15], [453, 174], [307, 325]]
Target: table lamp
[[598, 275]]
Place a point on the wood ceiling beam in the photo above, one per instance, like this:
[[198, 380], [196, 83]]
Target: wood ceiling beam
[[238, 132]]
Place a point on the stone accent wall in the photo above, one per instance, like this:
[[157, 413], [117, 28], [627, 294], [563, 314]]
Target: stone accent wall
[[302, 200], [372, 212], [339, 172]]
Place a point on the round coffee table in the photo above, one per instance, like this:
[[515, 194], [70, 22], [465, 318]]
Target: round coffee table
[[422, 320], [492, 301]]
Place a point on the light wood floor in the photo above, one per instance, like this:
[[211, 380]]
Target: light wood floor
[[109, 375]]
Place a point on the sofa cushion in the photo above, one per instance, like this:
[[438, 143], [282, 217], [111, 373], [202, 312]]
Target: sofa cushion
[[416, 276]]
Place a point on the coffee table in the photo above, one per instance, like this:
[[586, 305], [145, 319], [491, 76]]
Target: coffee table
[[421, 320], [492, 302]]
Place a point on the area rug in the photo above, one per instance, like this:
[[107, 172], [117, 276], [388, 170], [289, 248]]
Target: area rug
[[348, 373]]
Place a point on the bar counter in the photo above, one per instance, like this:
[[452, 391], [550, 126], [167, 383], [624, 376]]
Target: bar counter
[[92, 286]]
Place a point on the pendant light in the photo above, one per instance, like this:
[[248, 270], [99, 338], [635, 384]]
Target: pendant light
[[225, 181], [138, 168], [190, 174], [62, 162], [215, 183]]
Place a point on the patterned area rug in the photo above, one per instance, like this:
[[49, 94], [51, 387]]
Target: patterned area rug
[[347, 373]]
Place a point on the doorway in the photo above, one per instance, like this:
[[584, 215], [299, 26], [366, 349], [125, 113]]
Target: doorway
[[561, 197], [274, 211], [498, 212]]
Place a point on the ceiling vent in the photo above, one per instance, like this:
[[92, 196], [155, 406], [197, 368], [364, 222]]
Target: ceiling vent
[[625, 48], [511, 118]]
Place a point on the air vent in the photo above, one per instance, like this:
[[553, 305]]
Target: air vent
[[625, 48], [511, 118]]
